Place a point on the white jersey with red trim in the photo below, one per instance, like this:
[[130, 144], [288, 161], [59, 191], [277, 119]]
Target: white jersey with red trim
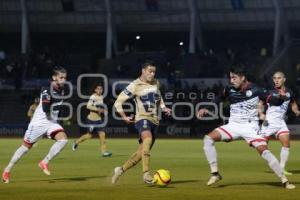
[[276, 114], [244, 102], [44, 120], [48, 108]]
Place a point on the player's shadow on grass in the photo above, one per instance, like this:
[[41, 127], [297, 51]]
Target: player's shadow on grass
[[275, 184], [68, 179], [73, 179], [183, 181], [292, 171], [117, 155], [174, 183]]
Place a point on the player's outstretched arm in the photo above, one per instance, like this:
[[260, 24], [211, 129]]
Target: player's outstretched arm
[[124, 96], [295, 108]]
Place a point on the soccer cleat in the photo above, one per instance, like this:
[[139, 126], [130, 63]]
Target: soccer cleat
[[118, 171], [44, 166], [5, 177], [74, 146], [287, 173], [148, 178], [288, 185], [215, 177], [106, 154]]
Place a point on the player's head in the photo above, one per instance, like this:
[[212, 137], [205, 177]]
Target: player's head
[[237, 75], [279, 79], [148, 70], [59, 75], [98, 89]]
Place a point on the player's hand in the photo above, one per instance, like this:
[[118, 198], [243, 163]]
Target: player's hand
[[101, 110], [167, 111], [282, 93], [129, 120], [202, 112], [297, 113]]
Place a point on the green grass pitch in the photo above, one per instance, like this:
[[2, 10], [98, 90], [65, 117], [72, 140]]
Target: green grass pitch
[[85, 175]]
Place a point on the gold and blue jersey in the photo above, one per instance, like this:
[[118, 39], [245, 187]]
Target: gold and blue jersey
[[93, 106], [147, 98]]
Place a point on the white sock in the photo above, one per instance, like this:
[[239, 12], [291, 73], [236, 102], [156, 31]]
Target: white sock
[[17, 155], [273, 163], [284, 155], [210, 153], [55, 149]]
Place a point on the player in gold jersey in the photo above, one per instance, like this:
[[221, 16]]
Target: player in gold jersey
[[94, 119], [146, 94]]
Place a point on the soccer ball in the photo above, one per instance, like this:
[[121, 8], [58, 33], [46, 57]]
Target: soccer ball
[[162, 177]]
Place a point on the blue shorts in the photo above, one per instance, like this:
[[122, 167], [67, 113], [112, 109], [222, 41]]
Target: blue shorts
[[94, 126], [143, 125]]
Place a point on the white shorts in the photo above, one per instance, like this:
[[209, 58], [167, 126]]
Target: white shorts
[[36, 130], [247, 131], [279, 128]]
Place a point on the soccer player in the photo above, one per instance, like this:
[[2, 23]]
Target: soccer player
[[33, 107], [243, 123], [274, 123], [148, 99], [44, 121], [93, 119]]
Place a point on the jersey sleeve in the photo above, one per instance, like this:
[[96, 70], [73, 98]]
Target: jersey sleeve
[[127, 93], [46, 100]]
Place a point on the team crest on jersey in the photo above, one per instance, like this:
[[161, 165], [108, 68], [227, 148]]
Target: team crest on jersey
[[249, 93]]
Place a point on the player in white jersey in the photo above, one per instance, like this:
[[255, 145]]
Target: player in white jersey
[[44, 122], [274, 123], [243, 123]]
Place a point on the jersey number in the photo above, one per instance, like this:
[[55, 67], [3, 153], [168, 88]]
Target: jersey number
[[149, 101]]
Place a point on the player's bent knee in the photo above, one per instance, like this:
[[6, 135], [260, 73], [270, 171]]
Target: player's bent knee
[[27, 145], [215, 135], [262, 148], [146, 134], [60, 136]]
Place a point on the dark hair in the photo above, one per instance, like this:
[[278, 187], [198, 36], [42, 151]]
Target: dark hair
[[148, 63], [239, 70], [95, 86], [58, 69]]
